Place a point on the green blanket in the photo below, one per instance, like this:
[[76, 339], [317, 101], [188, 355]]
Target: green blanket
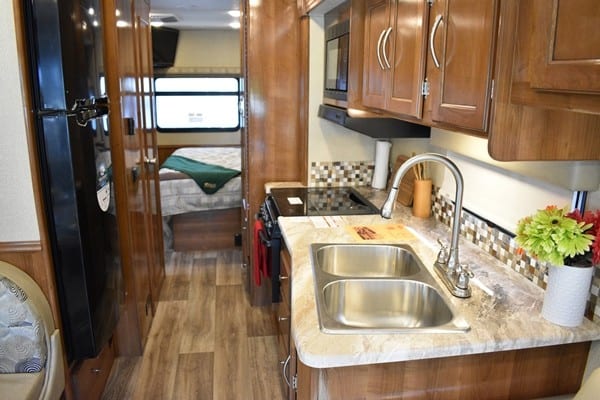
[[209, 177]]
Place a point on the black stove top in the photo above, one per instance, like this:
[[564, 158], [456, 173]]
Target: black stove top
[[313, 201]]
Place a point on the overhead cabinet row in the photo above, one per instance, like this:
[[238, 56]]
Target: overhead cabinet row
[[441, 62], [427, 61]]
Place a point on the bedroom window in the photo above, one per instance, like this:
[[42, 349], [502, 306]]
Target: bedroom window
[[197, 104]]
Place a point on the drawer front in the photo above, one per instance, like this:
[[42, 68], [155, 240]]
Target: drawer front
[[283, 309]]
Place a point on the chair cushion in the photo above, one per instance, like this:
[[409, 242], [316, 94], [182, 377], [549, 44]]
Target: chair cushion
[[22, 386], [22, 343]]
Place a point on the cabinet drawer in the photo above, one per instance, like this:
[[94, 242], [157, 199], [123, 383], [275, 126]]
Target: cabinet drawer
[[283, 309], [90, 376], [283, 330]]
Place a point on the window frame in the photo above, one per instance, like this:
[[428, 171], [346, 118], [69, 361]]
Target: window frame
[[193, 94]]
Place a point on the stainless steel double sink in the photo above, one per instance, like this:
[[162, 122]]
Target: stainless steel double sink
[[378, 288]]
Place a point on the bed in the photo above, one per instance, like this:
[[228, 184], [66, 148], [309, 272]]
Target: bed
[[192, 219]]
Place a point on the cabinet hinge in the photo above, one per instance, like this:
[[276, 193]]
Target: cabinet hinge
[[295, 382], [492, 89], [425, 88]]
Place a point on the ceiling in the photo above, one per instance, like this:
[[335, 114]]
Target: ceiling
[[194, 14]]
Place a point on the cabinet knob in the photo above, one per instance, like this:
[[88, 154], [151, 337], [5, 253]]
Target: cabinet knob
[[281, 319], [282, 278]]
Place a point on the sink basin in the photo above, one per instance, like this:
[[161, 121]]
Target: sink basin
[[378, 288], [390, 304], [367, 261]]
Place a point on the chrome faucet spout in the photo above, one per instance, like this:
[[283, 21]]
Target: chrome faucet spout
[[453, 263]]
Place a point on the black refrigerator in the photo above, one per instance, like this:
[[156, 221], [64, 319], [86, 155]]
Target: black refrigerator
[[64, 40]]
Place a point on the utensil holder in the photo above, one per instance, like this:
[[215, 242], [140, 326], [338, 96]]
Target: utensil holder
[[422, 198]]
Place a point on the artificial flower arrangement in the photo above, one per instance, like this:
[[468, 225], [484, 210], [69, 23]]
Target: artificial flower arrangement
[[559, 237]]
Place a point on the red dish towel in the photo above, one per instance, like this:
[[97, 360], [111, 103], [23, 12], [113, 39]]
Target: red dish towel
[[260, 253]]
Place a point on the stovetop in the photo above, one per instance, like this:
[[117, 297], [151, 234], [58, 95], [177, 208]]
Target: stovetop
[[314, 201]]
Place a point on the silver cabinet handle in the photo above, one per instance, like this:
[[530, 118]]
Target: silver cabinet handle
[[384, 47], [379, 49], [282, 278], [151, 161], [434, 28], [282, 319], [284, 370]]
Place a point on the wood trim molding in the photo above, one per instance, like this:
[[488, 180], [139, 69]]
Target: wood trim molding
[[20, 247], [303, 111]]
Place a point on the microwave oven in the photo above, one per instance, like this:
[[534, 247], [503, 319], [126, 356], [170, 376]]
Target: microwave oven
[[337, 46]]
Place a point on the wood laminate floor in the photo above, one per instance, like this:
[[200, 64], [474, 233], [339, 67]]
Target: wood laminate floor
[[206, 341]]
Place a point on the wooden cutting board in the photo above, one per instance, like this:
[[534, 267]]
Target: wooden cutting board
[[380, 232], [405, 191]]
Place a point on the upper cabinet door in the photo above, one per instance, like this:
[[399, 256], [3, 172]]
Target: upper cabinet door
[[461, 44], [407, 46], [376, 30], [566, 46], [529, 124]]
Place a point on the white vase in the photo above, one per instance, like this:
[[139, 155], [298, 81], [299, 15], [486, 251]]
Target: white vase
[[566, 294]]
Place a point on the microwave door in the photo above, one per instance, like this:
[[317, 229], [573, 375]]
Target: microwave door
[[336, 63], [331, 64], [342, 63]]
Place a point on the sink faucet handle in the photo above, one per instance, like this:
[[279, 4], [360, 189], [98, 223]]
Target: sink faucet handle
[[464, 273], [443, 254]]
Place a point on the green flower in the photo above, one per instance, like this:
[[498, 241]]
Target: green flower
[[551, 235]]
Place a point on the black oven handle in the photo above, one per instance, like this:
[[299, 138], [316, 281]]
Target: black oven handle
[[263, 238]]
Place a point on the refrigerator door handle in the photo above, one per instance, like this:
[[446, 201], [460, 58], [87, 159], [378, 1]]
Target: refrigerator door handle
[[83, 110]]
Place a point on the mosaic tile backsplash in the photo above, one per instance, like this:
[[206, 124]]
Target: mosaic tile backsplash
[[341, 173], [501, 245]]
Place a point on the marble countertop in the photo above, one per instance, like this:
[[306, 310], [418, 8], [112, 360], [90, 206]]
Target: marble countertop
[[503, 311]]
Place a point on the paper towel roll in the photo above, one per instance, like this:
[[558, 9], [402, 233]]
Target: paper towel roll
[[382, 158]]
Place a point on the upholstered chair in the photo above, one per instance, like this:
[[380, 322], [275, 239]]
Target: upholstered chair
[[31, 355]]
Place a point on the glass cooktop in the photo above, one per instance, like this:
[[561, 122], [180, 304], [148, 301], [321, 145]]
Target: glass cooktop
[[311, 201]]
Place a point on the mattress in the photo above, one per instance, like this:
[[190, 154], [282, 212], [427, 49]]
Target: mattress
[[179, 193]]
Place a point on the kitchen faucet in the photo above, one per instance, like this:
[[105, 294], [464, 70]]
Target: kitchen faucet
[[454, 274]]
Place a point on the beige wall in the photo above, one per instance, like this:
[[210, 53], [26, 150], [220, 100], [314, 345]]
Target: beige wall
[[505, 192], [18, 220], [205, 50], [208, 48]]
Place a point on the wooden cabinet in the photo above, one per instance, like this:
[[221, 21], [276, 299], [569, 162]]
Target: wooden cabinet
[[418, 59], [89, 376], [565, 48], [376, 21], [283, 309], [133, 140], [461, 55], [394, 55], [274, 133], [149, 143], [283, 312], [556, 115], [517, 374]]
